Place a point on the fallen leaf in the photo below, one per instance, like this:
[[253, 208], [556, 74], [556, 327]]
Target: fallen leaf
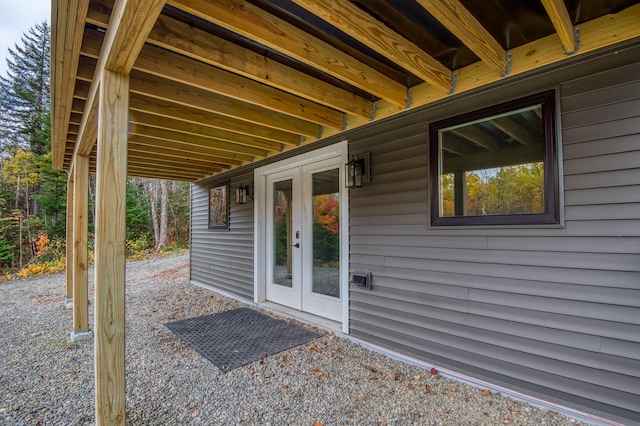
[[434, 372], [195, 414], [236, 351], [370, 368], [416, 377], [486, 393]]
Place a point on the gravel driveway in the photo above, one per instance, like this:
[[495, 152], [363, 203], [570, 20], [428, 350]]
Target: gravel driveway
[[47, 379]]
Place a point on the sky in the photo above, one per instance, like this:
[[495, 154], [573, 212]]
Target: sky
[[16, 18]]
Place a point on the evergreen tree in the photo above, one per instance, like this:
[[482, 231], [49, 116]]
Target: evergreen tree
[[24, 92]]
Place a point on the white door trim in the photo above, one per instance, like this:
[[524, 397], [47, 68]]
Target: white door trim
[[260, 221]]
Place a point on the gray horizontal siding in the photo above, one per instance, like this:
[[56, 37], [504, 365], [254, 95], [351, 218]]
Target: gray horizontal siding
[[223, 259], [555, 309]]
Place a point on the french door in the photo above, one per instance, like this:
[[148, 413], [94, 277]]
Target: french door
[[303, 237]]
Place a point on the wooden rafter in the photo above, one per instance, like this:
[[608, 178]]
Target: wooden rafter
[[177, 77], [170, 110], [168, 65], [559, 15], [353, 21], [129, 26], [179, 37], [457, 19], [182, 94], [67, 21], [250, 21]]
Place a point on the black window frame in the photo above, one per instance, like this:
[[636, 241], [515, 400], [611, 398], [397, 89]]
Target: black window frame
[[551, 214], [226, 207]]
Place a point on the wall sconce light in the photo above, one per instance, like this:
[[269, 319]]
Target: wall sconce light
[[242, 194], [357, 171]]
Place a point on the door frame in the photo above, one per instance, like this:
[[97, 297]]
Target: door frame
[[339, 150]]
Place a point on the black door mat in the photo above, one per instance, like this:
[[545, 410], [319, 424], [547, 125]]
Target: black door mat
[[235, 338]]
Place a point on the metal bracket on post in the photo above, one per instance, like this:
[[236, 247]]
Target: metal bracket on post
[[576, 42], [454, 80], [508, 67], [409, 99], [373, 111]]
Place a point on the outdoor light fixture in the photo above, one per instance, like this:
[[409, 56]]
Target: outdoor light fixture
[[357, 171], [242, 194]]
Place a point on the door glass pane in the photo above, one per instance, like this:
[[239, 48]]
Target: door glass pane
[[326, 232], [282, 203]]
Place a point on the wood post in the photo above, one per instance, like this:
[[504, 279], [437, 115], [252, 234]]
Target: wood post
[[80, 261], [111, 174], [69, 240]]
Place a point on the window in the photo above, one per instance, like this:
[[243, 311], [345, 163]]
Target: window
[[219, 207], [496, 166]]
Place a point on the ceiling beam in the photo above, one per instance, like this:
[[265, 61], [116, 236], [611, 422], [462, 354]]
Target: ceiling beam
[[199, 139], [202, 145], [250, 21], [170, 110], [512, 129], [150, 123], [129, 26], [477, 136], [67, 23], [462, 24], [141, 145], [169, 65], [182, 38], [166, 64], [182, 94], [559, 15], [353, 21]]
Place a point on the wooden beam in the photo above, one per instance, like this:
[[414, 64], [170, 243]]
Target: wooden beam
[[111, 198], [352, 20], [129, 26], [457, 19], [182, 94], [183, 38], [169, 65], [559, 15], [137, 158], [69, 240], [149, 125], [155, 148], [250, 21], [67, 23], [80, 251], [513, 129], [174, 111], [185, 140], [190, 148], [478, 137]]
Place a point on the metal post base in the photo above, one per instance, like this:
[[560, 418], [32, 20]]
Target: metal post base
[[78, 336]]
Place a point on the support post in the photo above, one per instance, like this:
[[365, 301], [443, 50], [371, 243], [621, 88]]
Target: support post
[[80, 261], [111, 173], [69, 241]]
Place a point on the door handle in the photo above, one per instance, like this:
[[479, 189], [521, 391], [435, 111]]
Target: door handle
[[296, 245]]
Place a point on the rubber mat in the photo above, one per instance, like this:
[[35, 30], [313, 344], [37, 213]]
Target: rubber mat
[[238, 337]]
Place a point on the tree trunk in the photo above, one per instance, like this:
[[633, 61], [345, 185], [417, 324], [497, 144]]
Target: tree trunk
[[152, 184], [163, 214]]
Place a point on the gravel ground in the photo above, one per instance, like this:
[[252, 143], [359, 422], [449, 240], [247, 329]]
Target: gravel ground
[[47, 379]]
